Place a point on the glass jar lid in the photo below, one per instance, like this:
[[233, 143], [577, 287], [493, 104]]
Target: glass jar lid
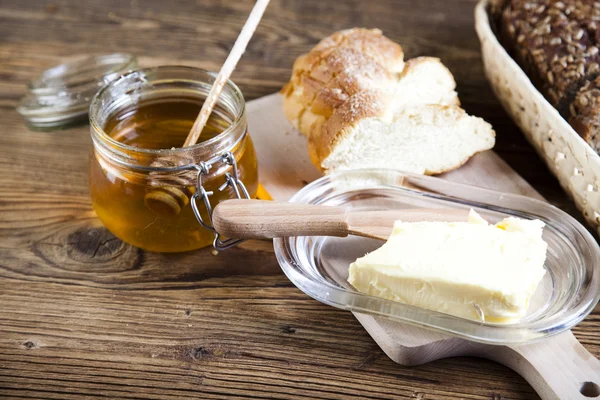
[[61, 95]]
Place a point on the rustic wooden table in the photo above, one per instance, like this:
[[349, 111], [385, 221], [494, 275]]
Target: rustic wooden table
[[84, 315]]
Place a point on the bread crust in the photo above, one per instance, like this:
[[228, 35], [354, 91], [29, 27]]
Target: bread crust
[[371, 42], [338, 67]]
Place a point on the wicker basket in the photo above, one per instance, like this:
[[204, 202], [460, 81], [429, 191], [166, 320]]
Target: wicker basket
[[569, 157]]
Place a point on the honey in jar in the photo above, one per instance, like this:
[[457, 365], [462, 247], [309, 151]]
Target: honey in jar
[[141, 120]]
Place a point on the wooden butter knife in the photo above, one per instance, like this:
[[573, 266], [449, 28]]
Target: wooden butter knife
[[260, 219]]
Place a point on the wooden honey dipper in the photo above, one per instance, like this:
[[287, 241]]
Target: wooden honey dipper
[[170, 194]]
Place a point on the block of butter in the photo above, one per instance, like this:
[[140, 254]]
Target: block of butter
[[469, 269]]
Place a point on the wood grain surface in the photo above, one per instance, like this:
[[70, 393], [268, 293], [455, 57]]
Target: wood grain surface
[[83, 315]]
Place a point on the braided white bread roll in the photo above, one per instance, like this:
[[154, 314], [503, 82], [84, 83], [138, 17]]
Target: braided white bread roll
[[361, 105]]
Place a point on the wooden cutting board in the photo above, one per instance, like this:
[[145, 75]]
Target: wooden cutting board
[[558, 367]]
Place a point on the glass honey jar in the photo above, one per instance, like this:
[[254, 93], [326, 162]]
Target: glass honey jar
[[147, 189]]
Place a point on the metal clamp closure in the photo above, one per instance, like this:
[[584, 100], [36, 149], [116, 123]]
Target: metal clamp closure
[[231, 180]]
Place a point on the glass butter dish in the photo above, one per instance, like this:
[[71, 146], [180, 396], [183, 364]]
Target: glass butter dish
[[319, 265]]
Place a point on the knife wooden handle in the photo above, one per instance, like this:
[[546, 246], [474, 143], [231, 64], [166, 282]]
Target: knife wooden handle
[[259, 219]]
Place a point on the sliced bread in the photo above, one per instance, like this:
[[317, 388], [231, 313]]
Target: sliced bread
[[425, 80], [361, 105], [423, 139]]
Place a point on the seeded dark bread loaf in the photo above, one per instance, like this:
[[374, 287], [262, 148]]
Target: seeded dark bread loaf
[[557, 45], [585, 113]]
